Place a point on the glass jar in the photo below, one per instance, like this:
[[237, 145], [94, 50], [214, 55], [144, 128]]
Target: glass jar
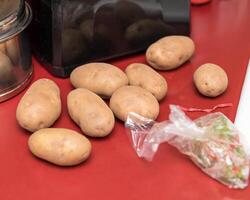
[[15, 55]]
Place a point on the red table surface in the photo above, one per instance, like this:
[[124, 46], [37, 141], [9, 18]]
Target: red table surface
[[221, 31]]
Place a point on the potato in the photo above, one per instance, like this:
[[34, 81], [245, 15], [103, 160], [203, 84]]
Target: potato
[[134, 99], [74, 46], [170, 52], [210, 80], [87, 29], [2, 47], [60, 146], [150, 80], [100, 78], [128, 12], [90, 112], [97, 34], [40, 106], [146, 31], [5, 68], [12, 50]]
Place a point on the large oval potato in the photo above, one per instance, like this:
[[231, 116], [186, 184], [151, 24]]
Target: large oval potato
[[210, 80], [100, 78], [60, 146], [134, 99], [144, 76], [90, 112], [6, 72], [170, 52], [40, 106]]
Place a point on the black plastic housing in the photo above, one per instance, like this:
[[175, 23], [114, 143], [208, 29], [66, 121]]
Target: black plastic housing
[[68, 33]]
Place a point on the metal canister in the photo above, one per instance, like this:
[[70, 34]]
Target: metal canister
[[15, 55]]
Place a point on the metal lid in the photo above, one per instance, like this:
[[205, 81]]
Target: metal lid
[[15, 15]]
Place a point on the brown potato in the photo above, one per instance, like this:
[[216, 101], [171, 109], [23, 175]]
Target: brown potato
[[146, 31], [60, 146], [74, 46], [5, 68], [87, 29], [90, 112], [12, 50], [134, 99], [128, 12], [100, 78], [210, 80], [97, 34], [40, 106], [3, 47], [170, 52], [144, 76]]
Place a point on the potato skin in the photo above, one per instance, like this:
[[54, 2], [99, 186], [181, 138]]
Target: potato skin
[[100, 78], [170, 52], [6, 72], [144, 76], [134, 99], [90, 112], [210, 80], [128, 12], [74, 46], [3, 47], [12, 50], [40, 106], [60, 146], [146, 31]]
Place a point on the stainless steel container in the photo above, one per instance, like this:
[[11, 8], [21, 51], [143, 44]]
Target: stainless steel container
[[15, 56]]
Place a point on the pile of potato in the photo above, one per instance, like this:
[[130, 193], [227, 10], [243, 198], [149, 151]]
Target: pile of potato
[[139, 89]]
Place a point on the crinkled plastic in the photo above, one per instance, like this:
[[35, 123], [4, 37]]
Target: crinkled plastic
[[211, 142]]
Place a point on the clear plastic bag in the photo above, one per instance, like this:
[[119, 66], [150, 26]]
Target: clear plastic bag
[[211, 142]]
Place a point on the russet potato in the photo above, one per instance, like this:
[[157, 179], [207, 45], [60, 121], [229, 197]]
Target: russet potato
[[210, 80], [60, 146], [134, 99], [144, 76], [100, 78], [170, 52], [40, 106], [90, 113]]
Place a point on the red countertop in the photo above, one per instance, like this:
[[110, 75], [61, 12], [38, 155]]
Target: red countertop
[[221, 31]]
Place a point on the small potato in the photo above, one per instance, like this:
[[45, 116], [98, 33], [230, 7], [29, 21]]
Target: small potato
[[210, 80], [5, 68], [12, 50], [100, 78], [40, 106], [60, 146], [97, 34], [90, 112], [170, 52], [134, 99], [144, 76], [3, 48], [87, 30], [74, 46]]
